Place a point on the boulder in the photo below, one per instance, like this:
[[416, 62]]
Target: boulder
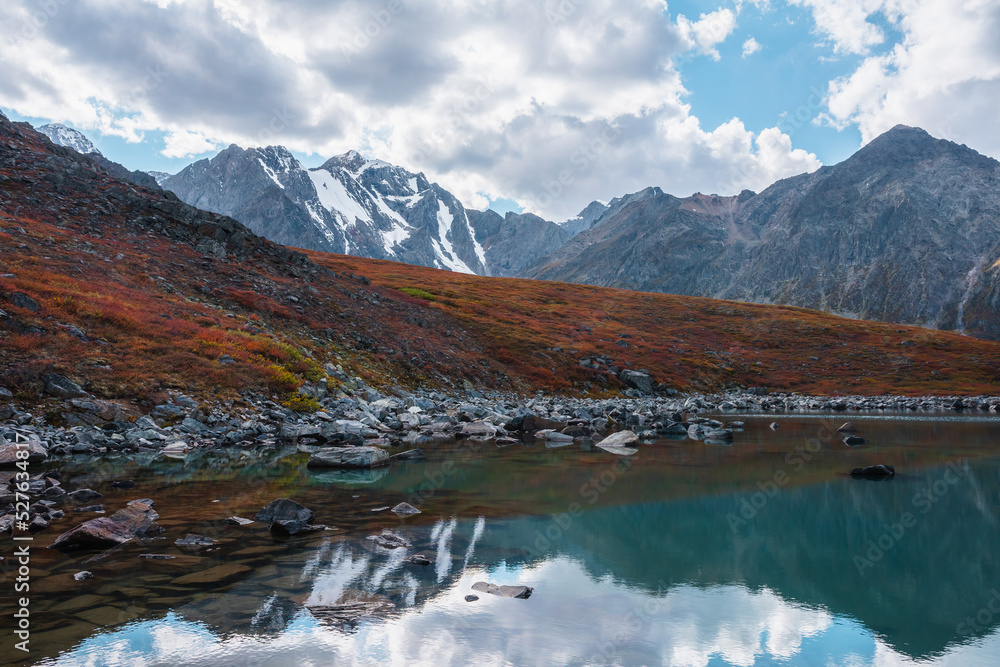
[[8, 451], [284, 509], [62, 387], [85, 495], [520, 592], [551, 435], [405, 509], [349, 457], [619, 439], [637, 380], [855, 441], [100, 533], [139, 518]]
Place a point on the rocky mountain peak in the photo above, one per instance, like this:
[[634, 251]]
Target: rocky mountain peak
[[68, 137]]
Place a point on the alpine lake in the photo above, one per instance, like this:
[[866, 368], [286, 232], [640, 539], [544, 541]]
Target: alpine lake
[[760, 552]]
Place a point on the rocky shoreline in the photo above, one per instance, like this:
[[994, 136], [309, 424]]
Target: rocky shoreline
[[356, 426], [355, 414]]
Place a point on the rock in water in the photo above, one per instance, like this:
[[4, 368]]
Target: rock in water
[[238, 521], [417, 559], [195, 541], [520, 592], [139, 518], [855, 441], [94, 534], [284, 509], [619, 439], [405, 509], [390, 540], [848, 427], [348, 457], [874, 472], [80, 576], [774, 426]]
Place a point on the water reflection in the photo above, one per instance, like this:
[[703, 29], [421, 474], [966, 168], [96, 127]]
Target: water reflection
[[655, 571]]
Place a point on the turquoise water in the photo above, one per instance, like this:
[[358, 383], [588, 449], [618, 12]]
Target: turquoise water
[[760, 553]]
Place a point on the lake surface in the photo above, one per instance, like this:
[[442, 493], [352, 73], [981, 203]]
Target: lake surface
[[759, 553]]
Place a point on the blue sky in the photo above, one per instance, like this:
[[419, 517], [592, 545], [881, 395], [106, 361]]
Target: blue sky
[[518, 104]]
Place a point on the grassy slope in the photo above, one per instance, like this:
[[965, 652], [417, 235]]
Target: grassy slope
[[158, 313]]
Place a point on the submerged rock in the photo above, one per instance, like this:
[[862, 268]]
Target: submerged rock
[[195, 541], [417, 559], [848, 427], [855, 441], [390, 540], [874, 472], [520, 592]]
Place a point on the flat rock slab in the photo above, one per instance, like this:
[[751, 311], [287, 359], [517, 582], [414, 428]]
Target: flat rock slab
[[551, 435], [139, 518], [520, 592], [238, 521], [410, 455], [213, 575], [619, 439], [98, 533], [349, 457], [284, 509]]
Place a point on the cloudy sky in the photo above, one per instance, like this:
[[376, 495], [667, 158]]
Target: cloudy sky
[[537, 104]]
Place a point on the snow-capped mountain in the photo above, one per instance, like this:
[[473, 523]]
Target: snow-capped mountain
[[67, 136], [159, 176], [348, 205]]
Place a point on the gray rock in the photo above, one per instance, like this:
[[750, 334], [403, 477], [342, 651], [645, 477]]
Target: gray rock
[[238, 521], [417, 559], [284, 509], [348, 457], [637, 380], [85, 495], [405, 509], [22, 300], [855, 441], [293, 527], [471, 598], [194, 541], [8, 452], [409, 455], [390, 540], [80, 576], [619, 439], [61, 386]]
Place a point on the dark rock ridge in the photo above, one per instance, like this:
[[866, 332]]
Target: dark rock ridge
[[66, 136], [907, 230]]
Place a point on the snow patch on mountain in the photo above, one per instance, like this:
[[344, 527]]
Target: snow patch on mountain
[[334, 197]]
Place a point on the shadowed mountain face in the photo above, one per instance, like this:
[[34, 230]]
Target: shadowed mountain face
[[516, 241], [907, 230]]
